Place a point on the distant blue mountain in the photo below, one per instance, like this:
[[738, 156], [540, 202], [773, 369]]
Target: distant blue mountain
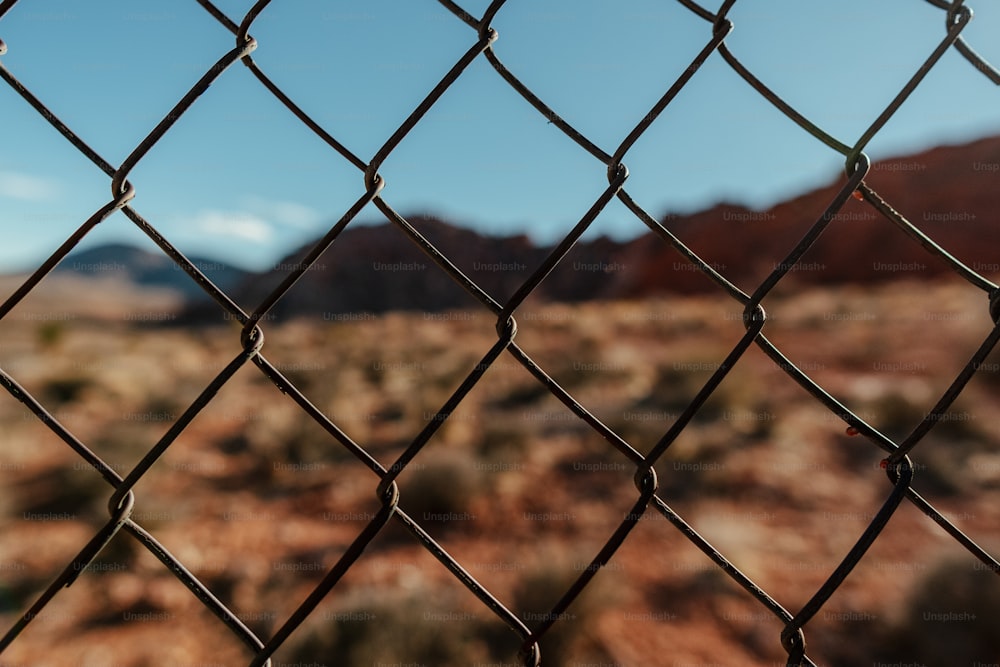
[[150, 269]]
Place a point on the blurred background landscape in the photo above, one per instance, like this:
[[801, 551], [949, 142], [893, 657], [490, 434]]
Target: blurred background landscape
[[258, 501]]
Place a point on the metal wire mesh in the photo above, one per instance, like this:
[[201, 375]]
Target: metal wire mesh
[[897, 464]]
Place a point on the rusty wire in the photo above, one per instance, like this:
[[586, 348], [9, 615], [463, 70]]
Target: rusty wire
[[392, 506]]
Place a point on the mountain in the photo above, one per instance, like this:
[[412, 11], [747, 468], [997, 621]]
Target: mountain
[[149, 269], [950, 193]]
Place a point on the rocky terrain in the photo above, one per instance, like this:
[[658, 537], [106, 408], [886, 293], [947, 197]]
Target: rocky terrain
[[257, 501]]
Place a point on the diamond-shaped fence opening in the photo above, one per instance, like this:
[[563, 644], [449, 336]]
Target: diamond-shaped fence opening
[[455, 470]]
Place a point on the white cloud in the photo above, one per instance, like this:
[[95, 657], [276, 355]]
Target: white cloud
[[16, 185], [284, 213], [258, 221], [236, 225]]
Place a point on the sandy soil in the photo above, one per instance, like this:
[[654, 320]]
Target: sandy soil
[[258, 501]]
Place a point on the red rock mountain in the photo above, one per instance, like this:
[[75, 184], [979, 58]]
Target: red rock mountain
[[950, 193]]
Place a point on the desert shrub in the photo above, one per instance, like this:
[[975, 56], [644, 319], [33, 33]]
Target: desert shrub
[[402, 629], [439, 487], [941, 458], [448, 371], [989, 370], [432, 627], [950, 617], [678, 382], [60, 391], [78, 492], [308, 441], [117, 555], [50, 333], [541, 588], [642, 428], [522, 396], [894, 414], [944, 466], [165, 407], [939, 468], [502, 443], [18, 593], [672, 389]]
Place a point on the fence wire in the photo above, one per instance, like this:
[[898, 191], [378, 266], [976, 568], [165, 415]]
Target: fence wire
[[897, 463]]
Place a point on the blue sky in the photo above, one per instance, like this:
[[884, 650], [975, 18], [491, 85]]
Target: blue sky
[[240, 179]]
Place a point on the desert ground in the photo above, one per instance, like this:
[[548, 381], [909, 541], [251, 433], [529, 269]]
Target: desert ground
[[258, 501]]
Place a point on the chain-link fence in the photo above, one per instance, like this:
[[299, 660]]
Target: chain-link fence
[[648, 498]]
